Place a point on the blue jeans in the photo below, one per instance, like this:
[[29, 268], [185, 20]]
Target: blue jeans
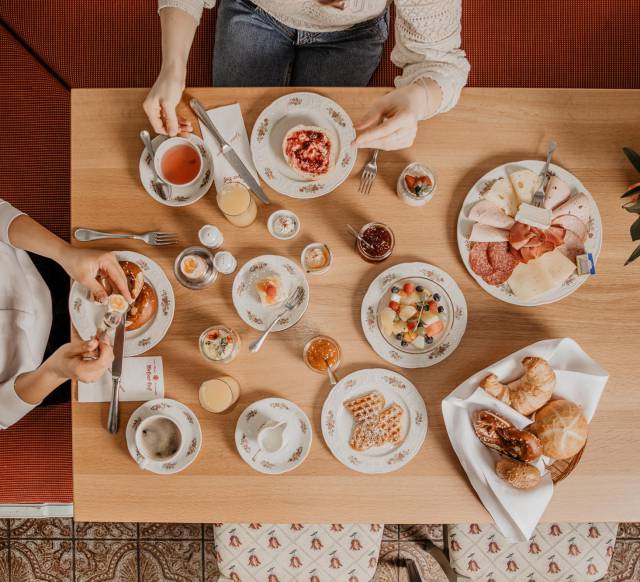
[[253, 49]]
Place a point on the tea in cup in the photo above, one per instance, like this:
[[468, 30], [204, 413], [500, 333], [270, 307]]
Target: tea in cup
[[178, 161], [159, 439]]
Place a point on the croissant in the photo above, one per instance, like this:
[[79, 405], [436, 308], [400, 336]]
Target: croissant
[[528, 393]]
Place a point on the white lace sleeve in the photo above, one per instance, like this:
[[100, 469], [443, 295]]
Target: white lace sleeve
[[193, 7], [428, 46]]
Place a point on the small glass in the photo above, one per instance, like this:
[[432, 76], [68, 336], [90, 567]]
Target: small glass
[[237, 204], [378, 244], [406, 194], [219, 344], [219, 394], [321, 353]]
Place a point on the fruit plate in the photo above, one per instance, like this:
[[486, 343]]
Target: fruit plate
[[337, 421], [503, 292], [247, 301], [86, 314], [438, 281], [302, 109]]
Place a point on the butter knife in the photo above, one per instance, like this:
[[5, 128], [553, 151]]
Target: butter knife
[[228, 152], [116, 371]]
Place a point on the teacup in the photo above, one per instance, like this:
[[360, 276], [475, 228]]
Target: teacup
[[178, 162], [159, 439]]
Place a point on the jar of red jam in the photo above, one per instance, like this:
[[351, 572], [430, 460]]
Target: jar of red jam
[[377, 242]]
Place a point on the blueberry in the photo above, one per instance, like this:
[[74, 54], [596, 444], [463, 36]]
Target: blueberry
[[398, 336], [440, 308], [395, 289], [404, 343], [428, 339], [419, 288], [436, 297]]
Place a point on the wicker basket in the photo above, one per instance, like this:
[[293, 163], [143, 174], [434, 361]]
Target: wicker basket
[[562, 469]]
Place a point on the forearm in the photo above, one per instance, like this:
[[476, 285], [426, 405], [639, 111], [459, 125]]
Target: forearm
[[33, 387], [25, 233], [178, 30], [432, 95]]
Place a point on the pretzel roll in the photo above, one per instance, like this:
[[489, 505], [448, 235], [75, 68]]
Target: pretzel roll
[[143, 309], [517, 474], [499, 434], [135, 278]]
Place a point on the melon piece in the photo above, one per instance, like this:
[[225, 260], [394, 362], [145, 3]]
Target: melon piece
[[407, 312]]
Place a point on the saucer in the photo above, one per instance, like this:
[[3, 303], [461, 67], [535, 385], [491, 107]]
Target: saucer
[[297, 436], [183, 417], [182, 196]]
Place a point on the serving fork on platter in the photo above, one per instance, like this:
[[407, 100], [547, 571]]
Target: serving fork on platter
[[292, 302], [369, 174], [153, 238]]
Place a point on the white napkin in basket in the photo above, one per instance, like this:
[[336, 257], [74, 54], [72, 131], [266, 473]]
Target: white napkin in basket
[[229, 122], [578, 378]]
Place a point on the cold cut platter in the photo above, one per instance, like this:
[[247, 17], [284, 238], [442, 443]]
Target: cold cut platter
[[517, 263]]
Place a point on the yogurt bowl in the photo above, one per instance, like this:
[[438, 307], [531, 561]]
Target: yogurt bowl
[[283, 225]]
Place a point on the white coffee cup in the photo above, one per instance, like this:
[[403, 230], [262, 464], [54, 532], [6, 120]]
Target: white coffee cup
[[159, 439], [169, 144]]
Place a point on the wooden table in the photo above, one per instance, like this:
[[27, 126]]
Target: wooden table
[[487, 128]]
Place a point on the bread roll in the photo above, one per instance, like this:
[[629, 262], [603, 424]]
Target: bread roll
[[561, 428], [143, 309], [517, 474]]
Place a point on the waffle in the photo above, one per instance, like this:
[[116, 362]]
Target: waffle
[[366, 408], [373, 425]]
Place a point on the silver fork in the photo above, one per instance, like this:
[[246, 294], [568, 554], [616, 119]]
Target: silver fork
[[538, 197], [155, 239], [369, 174], [292, 302]]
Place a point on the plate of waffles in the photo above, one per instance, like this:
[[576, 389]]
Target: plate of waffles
[[374, 421]]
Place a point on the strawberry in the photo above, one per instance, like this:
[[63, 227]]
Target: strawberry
[[412, 325], [394, 305], [408, 288], [271, 291], [410, 181], [433, 306]]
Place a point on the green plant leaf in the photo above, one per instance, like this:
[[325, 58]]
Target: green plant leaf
[[632, 207], [633, 156], [631, 191], [635, 229], [633, 256]]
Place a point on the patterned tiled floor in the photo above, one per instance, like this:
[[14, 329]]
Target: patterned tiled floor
[[60, 550]]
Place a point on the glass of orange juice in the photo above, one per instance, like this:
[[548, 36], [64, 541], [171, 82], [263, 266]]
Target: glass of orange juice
[[237, 204], [219, 394]]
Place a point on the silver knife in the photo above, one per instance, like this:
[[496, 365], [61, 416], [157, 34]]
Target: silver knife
[[228, 152], [116, 372]]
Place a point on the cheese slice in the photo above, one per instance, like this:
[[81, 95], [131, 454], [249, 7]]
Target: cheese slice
[[524, 183], [537, 277], [502, 195]]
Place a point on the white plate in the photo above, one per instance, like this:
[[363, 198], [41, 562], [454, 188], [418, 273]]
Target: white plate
[[302, 109], [297, 435], [247, 302], [86, 314], [503, 292], [337, 421], [186, 420], [182, 196], [444, 346]]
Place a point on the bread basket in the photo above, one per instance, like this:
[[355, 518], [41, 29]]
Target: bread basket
[[562, 469]]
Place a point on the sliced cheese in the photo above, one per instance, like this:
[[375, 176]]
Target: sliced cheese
[[524, 183], [537, 277], [502, 195]]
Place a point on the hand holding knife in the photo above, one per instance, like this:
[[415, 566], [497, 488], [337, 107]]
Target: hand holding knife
[[228, 152]]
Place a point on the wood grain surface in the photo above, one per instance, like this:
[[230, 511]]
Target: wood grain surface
[[488, 127]]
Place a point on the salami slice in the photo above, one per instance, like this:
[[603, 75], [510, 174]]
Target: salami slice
[[500, 258], [479, 260], [498, 277]]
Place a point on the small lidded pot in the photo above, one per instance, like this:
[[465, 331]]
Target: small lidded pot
[[416, 184], [219, 344]]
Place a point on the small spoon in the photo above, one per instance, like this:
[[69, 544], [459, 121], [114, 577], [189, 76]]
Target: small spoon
[[148, 144], [332, 377], [353, 232]]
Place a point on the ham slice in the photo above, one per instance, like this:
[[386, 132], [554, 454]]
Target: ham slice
[[486, 212], [555, 235], [557, 192], [485, 233], [574, 224], [578, 206], [520, 235]]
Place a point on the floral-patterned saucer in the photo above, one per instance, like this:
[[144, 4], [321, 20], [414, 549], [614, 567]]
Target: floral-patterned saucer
[[308, 109], [184, 418], [246, 299], [435, 278], [181, 196], [337, 421], [86, 314], [297, 435]]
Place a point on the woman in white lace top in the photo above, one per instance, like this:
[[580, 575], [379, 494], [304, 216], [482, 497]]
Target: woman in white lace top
[[321, 43]]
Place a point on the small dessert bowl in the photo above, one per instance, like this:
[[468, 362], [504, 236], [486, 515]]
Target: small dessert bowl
[[316, 258], [219, 344], [283, 225]]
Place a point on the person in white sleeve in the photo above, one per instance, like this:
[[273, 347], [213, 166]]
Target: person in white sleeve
[[26, 314], [320, 43]]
